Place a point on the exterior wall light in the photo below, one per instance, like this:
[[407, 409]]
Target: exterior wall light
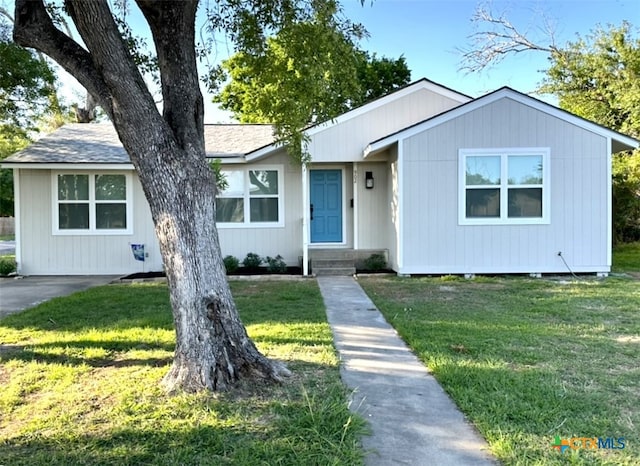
[[368, 180]]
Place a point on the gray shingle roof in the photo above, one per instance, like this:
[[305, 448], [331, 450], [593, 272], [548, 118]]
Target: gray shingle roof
[[99, 143]]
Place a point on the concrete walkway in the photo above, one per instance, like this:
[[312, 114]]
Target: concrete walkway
[[412, 419]]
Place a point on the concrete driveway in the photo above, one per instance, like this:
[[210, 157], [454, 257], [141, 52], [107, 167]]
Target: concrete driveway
[[17, 294]]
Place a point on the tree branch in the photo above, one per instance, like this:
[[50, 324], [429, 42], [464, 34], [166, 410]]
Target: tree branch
[[34, 28], [501, 38], [173, 23]]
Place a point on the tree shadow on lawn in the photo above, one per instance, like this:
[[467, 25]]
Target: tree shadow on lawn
[[71, 353], [155, 443]]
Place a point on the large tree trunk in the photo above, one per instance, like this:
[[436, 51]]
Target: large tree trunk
[[213, 350]]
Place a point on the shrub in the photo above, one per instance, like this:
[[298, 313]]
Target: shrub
[[252, 261], [276, 264], [375, 262], [7, 265], [231, 264]]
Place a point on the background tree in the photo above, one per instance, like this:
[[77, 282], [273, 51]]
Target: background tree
[[596, 77], [308, 73], [27, 97], [213, 351]]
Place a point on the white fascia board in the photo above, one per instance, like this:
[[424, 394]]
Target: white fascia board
[[493, 97], [263, 152], [410, 89], [69, 166]]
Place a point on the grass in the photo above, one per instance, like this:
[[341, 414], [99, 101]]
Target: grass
[[80, 378], [626, 257], [7, 237], [527, 360]]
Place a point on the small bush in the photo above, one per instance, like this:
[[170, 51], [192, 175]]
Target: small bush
[[7, 265], [375, 262], [252, 261], [276, 264], [231, 264]]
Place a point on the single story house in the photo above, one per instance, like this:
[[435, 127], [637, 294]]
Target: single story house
[[437, 181]]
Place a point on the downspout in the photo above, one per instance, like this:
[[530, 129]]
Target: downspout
[[305, 221]]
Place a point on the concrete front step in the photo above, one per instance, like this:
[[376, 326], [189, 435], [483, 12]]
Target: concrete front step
[[341, 271], [330, 263], [333, 266]]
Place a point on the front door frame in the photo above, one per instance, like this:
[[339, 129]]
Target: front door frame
[[343, 211]]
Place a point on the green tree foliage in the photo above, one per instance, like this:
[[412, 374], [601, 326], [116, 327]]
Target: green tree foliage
[[626, 197], [26, 87], [308, 72], [598, 78]]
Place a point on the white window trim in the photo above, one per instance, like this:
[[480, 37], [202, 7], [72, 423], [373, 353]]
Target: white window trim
[[504, 152], [92, 230], [247, 198]]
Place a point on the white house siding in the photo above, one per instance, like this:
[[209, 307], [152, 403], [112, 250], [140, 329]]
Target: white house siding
[[285, 241], [43, 253], [373, 207], [347, 140], [435, 243]]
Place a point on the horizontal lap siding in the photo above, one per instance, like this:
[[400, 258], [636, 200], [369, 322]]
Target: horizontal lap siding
[[435, 243], [285, 241], [43, 253]]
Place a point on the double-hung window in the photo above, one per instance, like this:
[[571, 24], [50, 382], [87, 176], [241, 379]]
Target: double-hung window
[[91, 203], [251, 198], [503, 186]]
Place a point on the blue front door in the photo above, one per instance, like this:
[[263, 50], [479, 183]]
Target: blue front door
[[326, 206]]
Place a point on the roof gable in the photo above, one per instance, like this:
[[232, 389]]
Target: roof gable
[[422, 84], [621, 141]]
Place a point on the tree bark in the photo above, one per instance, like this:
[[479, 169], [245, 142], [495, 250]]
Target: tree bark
[[213, 351]]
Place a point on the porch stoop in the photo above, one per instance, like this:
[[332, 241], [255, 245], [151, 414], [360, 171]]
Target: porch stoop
[[338, 261]]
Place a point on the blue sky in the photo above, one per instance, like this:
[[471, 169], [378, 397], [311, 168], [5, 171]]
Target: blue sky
[[429, 32]]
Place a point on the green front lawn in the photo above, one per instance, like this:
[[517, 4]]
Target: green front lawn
[[80, 385], [626, 257], [528, 360]]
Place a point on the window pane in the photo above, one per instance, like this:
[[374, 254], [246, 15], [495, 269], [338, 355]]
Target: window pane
[[525, 202], [230, 210], [483, 203], [263, 182], [483, 170], [525, 169], [111, 188], [235, 183], [73, 187], [73, 216], [111, 216], [264, 209]]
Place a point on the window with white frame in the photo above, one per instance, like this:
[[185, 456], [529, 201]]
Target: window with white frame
[[91, 203], [504, 186], [251, 198]]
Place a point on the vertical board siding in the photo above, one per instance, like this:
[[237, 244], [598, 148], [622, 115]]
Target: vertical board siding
[[435, 243], [374, 212], [347, 141]]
